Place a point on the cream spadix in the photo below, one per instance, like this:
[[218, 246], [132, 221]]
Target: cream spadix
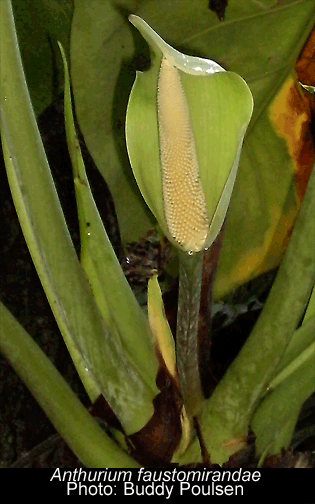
[[186, 120], [185, 205]]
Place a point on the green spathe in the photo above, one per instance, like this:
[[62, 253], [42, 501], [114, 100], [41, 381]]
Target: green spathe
[[219, 106]]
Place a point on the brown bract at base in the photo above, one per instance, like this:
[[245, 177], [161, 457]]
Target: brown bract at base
[[155, 443]]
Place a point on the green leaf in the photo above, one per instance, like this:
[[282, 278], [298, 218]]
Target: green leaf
[[275, 418], [310, 307], [101, 362], [123, 316], [266, 197], [300, 349], [101, 43], [27, 167], [73, 422], [227, 414]]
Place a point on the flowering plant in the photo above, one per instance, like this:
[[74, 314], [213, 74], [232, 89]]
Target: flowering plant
[[186, 120]]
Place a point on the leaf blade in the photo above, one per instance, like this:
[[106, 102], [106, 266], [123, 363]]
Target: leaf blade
[[114, 297], [68, 415], [53, 254]]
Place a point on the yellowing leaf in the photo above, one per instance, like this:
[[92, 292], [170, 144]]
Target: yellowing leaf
[[160, 326]]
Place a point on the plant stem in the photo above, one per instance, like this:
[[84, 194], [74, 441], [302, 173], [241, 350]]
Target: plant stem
[[190, 277]]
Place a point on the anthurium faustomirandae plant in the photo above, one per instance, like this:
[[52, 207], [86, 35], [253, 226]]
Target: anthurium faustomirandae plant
[[193, 115], [185, 126]]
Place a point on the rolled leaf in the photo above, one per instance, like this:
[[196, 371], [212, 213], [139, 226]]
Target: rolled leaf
[[160, 327]]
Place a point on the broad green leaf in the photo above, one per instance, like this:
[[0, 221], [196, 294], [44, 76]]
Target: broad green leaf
[[122, 313], [300, 348], [264, 203], [101, 42], [73, 422], [275, 418], [268, 210], [101, 362], [227, 414]]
